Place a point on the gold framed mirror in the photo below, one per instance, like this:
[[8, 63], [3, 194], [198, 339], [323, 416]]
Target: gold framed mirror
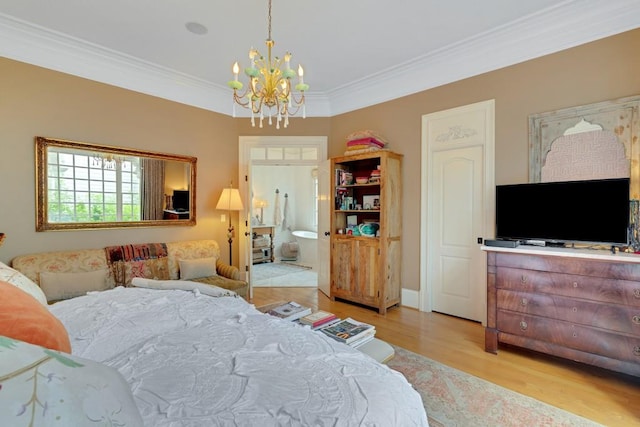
[[82, 185]]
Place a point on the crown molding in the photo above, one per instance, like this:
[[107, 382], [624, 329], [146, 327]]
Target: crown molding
[[566, 25], [26, 42]]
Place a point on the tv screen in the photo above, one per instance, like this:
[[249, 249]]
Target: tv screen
[[181, 200], [591, 211]]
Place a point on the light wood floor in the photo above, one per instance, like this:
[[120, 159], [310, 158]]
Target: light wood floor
[[602, 396]]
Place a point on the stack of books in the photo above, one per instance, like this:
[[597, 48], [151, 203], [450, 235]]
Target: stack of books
[[289, 311], [350, 332], [375, 176], [343, 177], [319, 319]]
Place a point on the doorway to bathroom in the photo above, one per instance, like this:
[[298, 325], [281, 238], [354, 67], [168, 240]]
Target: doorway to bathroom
[[282, 194], [284, 199]]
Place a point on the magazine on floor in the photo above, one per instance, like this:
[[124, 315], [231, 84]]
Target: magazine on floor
[[348, 330], [365, 339], [290, 311]]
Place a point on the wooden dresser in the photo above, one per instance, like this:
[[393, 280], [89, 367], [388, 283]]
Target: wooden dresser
[[582, 305]]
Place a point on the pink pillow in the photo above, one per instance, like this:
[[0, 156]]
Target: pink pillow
[[23, 318]]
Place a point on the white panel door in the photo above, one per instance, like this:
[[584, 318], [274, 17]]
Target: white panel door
[[457, 195], [324, 233]]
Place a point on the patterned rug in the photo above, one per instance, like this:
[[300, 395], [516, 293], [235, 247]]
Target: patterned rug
[[454, 398]]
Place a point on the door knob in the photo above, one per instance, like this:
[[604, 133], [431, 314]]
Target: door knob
[[327, 233]]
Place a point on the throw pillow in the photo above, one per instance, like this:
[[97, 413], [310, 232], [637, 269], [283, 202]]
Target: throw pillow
[[23, 318], [59, 286], [197, 268], [41, 387], [10, 275]]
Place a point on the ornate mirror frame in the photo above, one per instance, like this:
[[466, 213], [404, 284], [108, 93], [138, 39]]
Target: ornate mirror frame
[[101, 159], [618, 116]]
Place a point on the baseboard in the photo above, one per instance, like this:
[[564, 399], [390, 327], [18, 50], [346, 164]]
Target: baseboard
[[410, 298]]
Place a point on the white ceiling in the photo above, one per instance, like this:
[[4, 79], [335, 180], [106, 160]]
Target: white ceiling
[[356, 53]]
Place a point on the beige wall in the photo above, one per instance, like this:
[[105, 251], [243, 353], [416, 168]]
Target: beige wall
[[35, 101], [41, 102], [605, 69]]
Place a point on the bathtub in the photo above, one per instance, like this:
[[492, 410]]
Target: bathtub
[[308, 248]]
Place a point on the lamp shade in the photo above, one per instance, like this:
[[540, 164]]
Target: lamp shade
[[230, 200], [260, 203]]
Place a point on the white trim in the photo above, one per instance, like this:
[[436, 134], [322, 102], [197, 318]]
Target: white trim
[[246, 143], [410, 298], [569, 24]]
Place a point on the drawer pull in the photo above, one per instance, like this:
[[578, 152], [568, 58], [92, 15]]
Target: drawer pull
[[523, 279], [575, 284], [524, 302], [636, 293], [523, 325], [636, 320], [574, 309], [636, 350]]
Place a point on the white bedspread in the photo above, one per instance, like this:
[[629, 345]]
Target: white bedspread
[[197, 360]]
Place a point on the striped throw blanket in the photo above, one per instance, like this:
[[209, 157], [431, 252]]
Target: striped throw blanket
[[148, 260]]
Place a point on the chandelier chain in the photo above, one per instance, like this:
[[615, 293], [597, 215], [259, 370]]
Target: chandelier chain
[[269, 20]]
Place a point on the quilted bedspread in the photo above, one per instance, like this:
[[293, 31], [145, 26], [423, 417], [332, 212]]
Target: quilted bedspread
[[197, 360]]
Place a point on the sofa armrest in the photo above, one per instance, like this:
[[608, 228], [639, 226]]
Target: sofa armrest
[[226, 270]]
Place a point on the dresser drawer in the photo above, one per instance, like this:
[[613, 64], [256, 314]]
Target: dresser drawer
[[615, 318], [571, 265], [587, 287], [570, 335]]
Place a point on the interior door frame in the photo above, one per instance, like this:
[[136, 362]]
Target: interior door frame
[[245, 162], [488, 211]]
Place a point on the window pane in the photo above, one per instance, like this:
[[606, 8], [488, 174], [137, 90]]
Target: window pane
[[309, 153], [82, 173], [292, 153], [274, 153], [258, 153]]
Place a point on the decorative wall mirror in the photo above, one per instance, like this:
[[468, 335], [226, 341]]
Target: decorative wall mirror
[[598, 124], [82, 185]]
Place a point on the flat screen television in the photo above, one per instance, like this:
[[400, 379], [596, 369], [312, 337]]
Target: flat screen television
[[181, 200], [591, 211]]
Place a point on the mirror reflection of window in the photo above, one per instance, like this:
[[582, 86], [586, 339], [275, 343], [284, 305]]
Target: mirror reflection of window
[[92, 187], [83, 185]]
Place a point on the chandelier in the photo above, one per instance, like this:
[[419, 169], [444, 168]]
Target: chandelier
[[269, 86]]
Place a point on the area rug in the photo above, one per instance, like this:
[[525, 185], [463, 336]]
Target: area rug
[[282, 274], [454, 398]]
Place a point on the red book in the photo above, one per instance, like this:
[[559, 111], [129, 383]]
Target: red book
[[318, 318]]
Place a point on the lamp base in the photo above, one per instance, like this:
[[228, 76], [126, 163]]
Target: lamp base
[[230, 233]]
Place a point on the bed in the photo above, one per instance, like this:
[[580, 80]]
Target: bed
[[197, 357]]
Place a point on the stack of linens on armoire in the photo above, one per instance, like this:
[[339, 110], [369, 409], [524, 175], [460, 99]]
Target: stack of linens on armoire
[[364, 141]]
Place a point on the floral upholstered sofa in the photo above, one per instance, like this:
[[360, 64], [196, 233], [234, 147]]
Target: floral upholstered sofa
[[67, 274]]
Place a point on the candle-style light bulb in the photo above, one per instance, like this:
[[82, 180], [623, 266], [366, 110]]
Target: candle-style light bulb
[[236, 70], [301, 73], [287, 58]]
